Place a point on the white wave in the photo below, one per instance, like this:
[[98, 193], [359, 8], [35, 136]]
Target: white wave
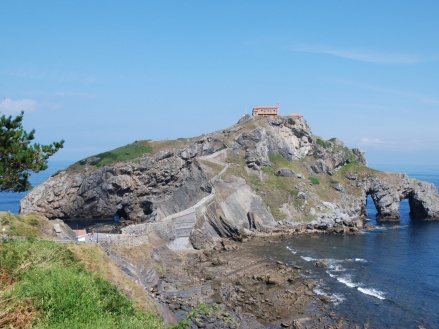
[[334, 298], [292, 250], [333, 261], [360, 260], [372, 292], [347, 281], [336, 268], [338, 298], [319, 292], [308, 259]]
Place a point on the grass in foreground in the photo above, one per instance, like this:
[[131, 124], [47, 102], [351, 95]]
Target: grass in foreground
[[44, 286]]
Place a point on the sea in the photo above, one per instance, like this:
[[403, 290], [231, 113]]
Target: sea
[[385, 278]]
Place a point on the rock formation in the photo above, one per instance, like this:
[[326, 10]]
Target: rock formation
[[261, 173]]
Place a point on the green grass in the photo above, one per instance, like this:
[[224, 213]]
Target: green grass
[[322, 143], [58, 291], [25, 225], [314, 180], [213, 167], [274, 190], [128, 152], [131, 152], [279, 161]]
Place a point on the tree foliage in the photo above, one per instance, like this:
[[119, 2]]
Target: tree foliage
[[18, 157]]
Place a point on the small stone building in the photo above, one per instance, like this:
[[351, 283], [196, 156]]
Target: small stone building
[[266, 110]]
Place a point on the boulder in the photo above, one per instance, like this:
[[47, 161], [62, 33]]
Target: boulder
[[285, 172]]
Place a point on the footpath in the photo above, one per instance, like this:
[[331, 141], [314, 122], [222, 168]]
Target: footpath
[[175, 228]]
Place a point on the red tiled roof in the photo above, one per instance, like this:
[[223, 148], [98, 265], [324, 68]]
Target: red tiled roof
[[80, 232]]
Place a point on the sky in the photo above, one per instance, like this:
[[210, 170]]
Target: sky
[[103, 74]]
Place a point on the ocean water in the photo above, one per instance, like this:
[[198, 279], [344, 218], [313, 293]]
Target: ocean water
[[10, 201], [387, 278]]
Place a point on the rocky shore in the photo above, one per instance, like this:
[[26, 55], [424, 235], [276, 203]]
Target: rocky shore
[[236, 286], [252, 291]]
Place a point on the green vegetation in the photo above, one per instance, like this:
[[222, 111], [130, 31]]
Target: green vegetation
[[354, 167], [29, 225], [322, 143], [200, 311], [212, 167], [275, 190], [350, 155], [130, 152], [43, 285], [18, 157], [313, 180], [278, 161]]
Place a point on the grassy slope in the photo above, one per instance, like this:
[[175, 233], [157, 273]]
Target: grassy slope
[[277, 191], [48, 285], [131, 152]]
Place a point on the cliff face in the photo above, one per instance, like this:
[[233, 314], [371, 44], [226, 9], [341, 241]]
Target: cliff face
[[166, 183], [260, 173]]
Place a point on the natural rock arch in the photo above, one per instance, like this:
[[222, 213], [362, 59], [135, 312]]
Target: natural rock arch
[[387, 192]]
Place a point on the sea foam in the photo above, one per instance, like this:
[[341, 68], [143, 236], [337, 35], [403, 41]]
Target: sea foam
[[372, 292]]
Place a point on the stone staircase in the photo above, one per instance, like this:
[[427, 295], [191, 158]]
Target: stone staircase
[[179, 225], [183, 225]]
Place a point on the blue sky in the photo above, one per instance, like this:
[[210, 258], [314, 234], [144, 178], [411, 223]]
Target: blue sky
[[104, 74]]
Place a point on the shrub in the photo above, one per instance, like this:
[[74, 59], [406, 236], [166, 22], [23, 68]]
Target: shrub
[[313, 180], [322, 143]]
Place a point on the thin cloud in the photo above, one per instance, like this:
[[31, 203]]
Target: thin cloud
[[360, 55], [11, 106], [418, 97], [371, 141]]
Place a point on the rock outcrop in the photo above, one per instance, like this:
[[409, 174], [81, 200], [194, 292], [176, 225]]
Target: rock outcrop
[[389, 192], [258, 174], [155, 187]]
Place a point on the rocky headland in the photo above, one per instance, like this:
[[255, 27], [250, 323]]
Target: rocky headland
[[260, 173], [262, 177]]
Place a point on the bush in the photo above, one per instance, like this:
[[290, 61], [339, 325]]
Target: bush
[[314, 180], [323, 143]]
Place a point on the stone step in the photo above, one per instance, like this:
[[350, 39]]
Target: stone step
[[183, 233], [181, 243]]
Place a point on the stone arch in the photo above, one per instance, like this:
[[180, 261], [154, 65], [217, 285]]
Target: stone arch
[[387, 204], [364, 212]]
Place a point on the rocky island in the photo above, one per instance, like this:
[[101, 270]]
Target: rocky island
[[266, 176]]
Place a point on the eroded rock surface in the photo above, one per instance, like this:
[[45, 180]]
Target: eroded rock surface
[[154, 187]]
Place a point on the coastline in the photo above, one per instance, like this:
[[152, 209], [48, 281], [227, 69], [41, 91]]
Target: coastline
[[249, 290]]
